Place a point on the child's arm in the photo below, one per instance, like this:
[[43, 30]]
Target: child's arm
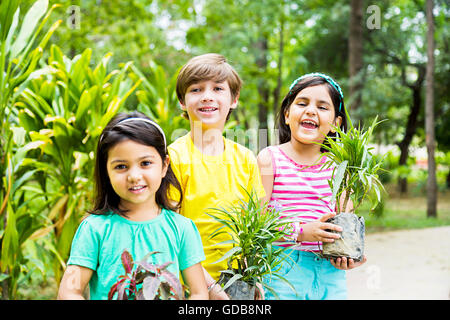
[[316, 230], [265, 168], [215, 290], [73, 283], [194, 278]]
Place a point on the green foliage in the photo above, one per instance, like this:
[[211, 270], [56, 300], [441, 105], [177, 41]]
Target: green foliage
[[157, 99], [52, 111], [64, 108], [21, 47], [406, 212], [356, 168], [146, 282], [253, 228]]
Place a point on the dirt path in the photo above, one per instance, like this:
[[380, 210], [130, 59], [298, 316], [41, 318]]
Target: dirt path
[[407, 264]]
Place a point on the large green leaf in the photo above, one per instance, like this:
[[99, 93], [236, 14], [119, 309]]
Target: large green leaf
[[232, 280], [86, 101], [32, 18], [8, 11], [12, 29], [10, 241], [338, 177]]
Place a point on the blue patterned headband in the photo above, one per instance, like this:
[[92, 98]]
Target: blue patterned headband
[[327, 79], [145, 120]]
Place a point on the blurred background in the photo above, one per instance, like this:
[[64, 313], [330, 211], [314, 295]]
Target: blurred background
[[67, 67]]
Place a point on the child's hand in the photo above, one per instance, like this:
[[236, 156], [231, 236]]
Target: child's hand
[[347, 264], [259, 292], [315, 231], [217, 293]]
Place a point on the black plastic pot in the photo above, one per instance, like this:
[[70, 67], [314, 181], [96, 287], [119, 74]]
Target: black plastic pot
[[351, 243], [238, 290]]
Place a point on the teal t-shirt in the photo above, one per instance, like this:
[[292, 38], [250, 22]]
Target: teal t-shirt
[[101, 239]]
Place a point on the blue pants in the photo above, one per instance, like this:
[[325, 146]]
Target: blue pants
[[313, 278]]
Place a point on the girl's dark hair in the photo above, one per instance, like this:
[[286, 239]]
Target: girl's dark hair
[[106, 199], [338, 102]]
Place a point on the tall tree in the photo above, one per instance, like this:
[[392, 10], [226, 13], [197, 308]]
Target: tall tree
[[254, 42], [413, 117], [131, 29], [429, 114], [397, 52]]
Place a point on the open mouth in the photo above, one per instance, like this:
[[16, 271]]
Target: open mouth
[[309, 124], [208, 109], [137, 189]]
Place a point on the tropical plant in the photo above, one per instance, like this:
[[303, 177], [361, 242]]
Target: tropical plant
[[21, 48], [354, 178], [146, 282], [253, 228], [355, 174], [157, 99], [64, 108]]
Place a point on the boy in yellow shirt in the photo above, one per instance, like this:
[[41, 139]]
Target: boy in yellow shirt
[[210, 168]]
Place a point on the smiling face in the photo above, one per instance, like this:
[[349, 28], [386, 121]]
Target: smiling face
[[209, 102], [311, 116], [135, 172]]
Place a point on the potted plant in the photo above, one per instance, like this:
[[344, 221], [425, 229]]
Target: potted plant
[[157, 282], [253, 228], [354, 179]]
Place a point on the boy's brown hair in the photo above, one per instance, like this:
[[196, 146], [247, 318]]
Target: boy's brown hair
[[210, 66]]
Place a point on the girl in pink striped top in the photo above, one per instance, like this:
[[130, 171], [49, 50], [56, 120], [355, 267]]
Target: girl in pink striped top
[[295, 180]]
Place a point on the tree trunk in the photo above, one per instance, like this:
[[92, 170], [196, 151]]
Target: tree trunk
[[429, 115], [355, 48], [448, 179], [263, 91], [277, 90], [409, 133]]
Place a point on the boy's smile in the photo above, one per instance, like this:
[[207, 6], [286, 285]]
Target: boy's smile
[[208, 110], [209, 102]]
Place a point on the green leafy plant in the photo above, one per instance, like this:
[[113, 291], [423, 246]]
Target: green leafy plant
[[21, 48], [354, 178], [253, 228], [356, 169], [64, 108], [157, 99], [146, 282]]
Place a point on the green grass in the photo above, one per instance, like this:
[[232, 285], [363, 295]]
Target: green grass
[[407, 212]]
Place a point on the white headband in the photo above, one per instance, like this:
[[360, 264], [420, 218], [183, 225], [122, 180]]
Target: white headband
[[148, 121]]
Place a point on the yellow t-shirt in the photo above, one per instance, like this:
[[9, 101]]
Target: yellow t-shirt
[[212, 182]]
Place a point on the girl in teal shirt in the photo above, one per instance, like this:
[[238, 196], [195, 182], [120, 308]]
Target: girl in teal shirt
[[132, 212]]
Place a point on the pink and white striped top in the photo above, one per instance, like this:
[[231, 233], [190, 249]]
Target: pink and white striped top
[[303, 189]]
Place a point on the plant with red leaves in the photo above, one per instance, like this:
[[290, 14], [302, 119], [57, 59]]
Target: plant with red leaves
[[157, 282]]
